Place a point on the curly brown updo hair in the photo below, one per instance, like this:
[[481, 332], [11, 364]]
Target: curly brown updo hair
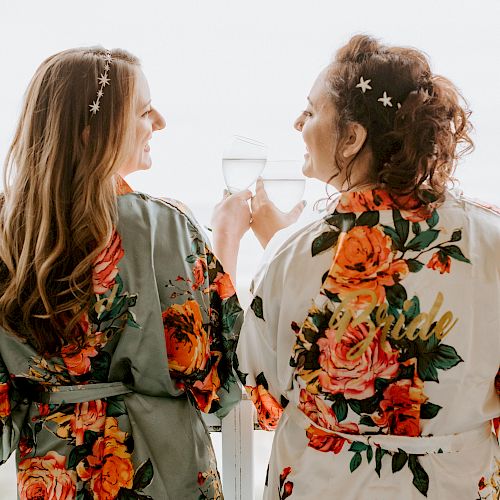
[[415, 140]]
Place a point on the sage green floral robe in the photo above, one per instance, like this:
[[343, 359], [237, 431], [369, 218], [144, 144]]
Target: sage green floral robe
[[120, 417], [379, 345]]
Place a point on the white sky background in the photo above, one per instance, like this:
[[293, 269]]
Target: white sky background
[[220, 67], [223, 67]]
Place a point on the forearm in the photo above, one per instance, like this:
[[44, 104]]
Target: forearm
[[226, 248]]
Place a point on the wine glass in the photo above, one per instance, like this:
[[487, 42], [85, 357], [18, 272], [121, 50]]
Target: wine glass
[[242, 162], [284, 183]]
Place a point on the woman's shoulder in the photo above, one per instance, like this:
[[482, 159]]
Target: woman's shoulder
[[138, 201], [142, 209]]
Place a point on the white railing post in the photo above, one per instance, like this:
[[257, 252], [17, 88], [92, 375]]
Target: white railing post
[[237, 452]]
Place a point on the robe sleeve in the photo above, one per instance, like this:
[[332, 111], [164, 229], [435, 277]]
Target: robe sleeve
[[257, 353], [202, 326]]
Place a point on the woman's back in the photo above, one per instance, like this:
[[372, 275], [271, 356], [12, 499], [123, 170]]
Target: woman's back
[[118, 416], [379, 321]]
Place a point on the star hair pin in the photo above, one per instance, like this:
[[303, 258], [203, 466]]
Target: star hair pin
[[385, 100], [364, 85], [102, 80]]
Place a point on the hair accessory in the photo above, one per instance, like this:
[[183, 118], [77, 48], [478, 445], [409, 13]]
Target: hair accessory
[[364, 85], [102, 80], [385, 100]]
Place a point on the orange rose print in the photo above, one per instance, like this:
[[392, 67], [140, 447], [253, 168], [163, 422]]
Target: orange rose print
[[362, 201], [187, 342], [88, 416], [223, 285], [322, 415], [199, 270], [4, 400], [206, 391], [411, 208], [355, 378], [440, 262], [400, 409], [46, 478], [365, 261], [105, 270], [25, 447], [268, 409], [109, 468], [76, 359]]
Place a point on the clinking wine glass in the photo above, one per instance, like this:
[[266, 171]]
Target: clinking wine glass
[[242, 163], [284, 183]]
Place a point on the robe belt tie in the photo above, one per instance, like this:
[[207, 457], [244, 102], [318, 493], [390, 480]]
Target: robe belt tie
[[69, 394], [419, 445]]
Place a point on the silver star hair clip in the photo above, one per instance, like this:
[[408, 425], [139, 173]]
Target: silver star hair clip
[[102, 80]]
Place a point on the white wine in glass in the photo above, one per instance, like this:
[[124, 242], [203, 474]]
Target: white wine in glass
[[243, 161], [284, 183]]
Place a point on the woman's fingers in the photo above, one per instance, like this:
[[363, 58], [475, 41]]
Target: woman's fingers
[[295, 212]]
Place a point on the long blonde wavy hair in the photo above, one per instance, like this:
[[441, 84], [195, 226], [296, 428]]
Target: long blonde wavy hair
[[59, 206]]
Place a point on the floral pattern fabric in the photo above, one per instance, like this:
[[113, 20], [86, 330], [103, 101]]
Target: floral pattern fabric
[[362, 362], [164, 322]]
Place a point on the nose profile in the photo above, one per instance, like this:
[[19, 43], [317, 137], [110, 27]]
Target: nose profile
[[158, 121], [298, 123]]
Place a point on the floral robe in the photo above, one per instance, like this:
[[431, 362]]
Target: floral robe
[[120, 417], [372, 346]]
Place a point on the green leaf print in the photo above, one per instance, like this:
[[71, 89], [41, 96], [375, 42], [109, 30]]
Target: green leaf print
[[368, 405], [366, 420], [257, 307], [401, 225], [414, 265], [433, 220], [422, 240], [355, 462], [415, 227], [396, 295], [343, 222], [100, 366], [399, 460], [413, 310], [339, 407], [455, 253], [389, 231], [379, 453], [143, 476], [116, 407], [369, 454], [420, 477], [429, 410], [358, 446], [191, 259], [432, 356], [369, 219], [78, 453], [457, 235], [324, 241]]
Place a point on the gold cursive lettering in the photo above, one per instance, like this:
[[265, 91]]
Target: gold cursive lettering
[[420, 326]]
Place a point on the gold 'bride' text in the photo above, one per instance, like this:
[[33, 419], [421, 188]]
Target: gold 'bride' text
[[420, 325]]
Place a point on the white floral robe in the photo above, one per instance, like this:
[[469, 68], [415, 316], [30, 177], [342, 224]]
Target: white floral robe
[[372, 346]]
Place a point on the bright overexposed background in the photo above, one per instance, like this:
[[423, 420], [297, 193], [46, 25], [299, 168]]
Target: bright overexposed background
[[222, 67]]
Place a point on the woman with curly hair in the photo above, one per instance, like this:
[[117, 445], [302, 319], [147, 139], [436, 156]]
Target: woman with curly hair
[[372, 342], [118, 324]]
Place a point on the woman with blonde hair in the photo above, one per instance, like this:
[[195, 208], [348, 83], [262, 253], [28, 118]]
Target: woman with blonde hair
[[372, 342], [118, 324]]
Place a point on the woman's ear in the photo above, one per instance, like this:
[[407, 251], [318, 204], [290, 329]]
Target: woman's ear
[[355, 139]]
